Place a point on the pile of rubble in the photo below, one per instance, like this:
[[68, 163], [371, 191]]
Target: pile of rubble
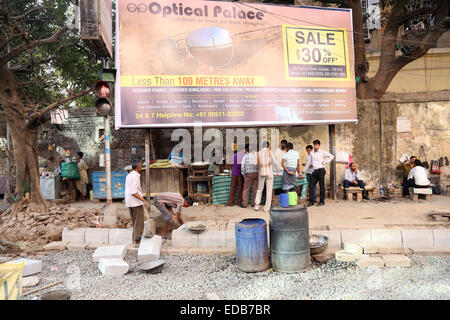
[[28, 224]]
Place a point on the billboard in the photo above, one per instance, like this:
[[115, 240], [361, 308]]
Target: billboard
[[232, 64]]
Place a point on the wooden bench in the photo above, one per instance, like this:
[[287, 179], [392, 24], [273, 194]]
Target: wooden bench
[[415, 192], [354, 191]]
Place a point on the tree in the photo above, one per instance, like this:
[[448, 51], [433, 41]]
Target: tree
[[415, 25], [43, 65]]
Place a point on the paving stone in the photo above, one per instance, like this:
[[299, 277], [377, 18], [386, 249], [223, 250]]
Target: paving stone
[[396, 260], [56, 245], [120, 236], [113, 267], [432, 251], [210, 238], [110, 252], [352, 248], [96, 235], [369, 247], [230, 239], [390, 247], [184, 238], [356, 236], [74, 236], [211, 250], [97, 245], [417, 238], [150, 248], [176, 250], [76, 246], [344, 256], [370, 262], [30, 281], [31, 266], [441, 238], [384, 235], [334, 237]]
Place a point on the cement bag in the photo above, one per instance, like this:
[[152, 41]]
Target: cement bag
[[342, 157], [11, 280], [70, 170]]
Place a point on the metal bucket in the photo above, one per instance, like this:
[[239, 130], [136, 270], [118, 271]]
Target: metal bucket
[[289, 239], [251, 245]]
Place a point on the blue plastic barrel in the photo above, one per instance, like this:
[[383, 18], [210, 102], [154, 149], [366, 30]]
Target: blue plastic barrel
[[251, 245], [283, 200]]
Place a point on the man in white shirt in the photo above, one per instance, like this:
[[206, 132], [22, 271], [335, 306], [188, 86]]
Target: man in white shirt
[[418, 176], [278, 157], [353, 179], [135, 201], [318, 158]]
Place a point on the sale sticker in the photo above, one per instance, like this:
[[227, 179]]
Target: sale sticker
[[316, 53]]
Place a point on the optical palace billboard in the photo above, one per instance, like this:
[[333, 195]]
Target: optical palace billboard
[[232, 64]]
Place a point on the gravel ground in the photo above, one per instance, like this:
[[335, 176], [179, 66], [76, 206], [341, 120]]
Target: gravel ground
[[191, 277]]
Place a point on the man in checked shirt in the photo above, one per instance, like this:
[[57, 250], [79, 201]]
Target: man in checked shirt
[[250, 172], [317, 160]]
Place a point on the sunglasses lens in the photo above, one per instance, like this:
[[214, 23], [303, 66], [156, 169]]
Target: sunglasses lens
[[167, 49], [212, 46]]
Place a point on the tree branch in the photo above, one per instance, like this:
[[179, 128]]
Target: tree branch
[[26, 13]]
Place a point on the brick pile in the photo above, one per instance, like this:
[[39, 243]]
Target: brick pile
[[374, 254]]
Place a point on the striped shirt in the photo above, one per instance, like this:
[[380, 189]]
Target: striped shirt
[[265, 163], [291, 158], [248, 164], [171, 199]]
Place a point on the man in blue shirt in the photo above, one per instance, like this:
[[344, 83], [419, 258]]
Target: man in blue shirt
[[177, 159], [353, 179]]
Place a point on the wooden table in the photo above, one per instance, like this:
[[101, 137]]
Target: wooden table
[[192, 189], [167, 180]]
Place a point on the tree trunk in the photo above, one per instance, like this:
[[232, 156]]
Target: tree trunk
[[24, 140]]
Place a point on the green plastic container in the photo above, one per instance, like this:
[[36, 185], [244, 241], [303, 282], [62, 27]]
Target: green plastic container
[[293, 198], [70, 170]]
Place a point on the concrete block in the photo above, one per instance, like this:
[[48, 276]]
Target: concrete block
[[74, 235], [31, 266], [352, 248], [56, 245], [96, 235], [230, 239], [176, 250], [417, 238], [441, 238], [150, 248], [432, 251], [184, 238], [113, 267], [368, 247], [211, 250], [390, 247], [210, 238], [384, 235], [334, 237], [97, 245], [110, 252], [370, 262], [76, 246], [396, 260], [344, 256], [120, 236], [356, 236]]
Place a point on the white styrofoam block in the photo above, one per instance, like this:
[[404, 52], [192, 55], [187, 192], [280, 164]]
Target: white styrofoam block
[[111, 252], [120, 236], [150, 248], [31, 266], [96, 235], [113, 267], [74, 235]]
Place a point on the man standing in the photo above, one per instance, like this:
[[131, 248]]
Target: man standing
[[165, 202], [135, 201], [353, 179], [264, 164], [278, 157], [250, 172], [318, 159], [236, 177], [405, 167], [84, 180], [418, 176], [309, 171], [291, 165]]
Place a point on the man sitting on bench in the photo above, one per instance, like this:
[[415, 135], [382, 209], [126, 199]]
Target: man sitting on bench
[[353, 179], [418, 176]]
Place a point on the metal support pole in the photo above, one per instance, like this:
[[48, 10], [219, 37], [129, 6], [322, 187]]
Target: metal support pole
[[332, 138], [147, 166], [108, 161]]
